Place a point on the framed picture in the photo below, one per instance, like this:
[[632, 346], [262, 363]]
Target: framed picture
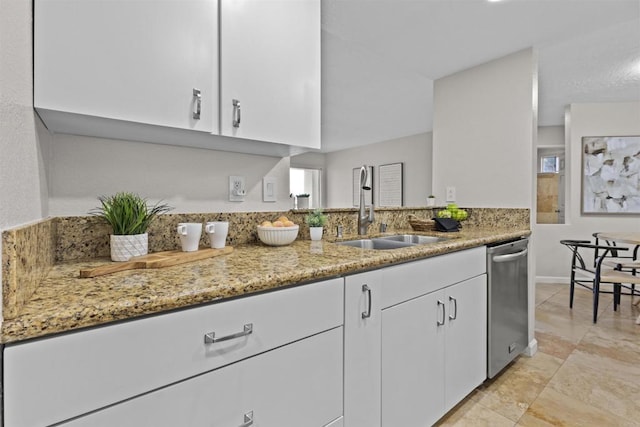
[[390, 185], [611, 175], [368, 194]]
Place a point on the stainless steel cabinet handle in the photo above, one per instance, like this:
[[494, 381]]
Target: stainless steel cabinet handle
[[210, 338], [455, 308], [248, 419], [236, 113], [441, 322], [198, 97], [367, 313]]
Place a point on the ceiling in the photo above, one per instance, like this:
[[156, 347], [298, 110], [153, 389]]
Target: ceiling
[[381, 57]]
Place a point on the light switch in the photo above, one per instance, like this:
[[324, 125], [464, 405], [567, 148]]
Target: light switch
[[269, 189]]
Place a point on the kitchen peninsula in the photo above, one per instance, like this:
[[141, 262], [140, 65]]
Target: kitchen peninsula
[[142, 316]]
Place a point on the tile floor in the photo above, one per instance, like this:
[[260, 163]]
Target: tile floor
[[582, 375]]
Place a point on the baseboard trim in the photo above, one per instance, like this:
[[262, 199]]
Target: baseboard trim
[[551, 279], [531, 349]]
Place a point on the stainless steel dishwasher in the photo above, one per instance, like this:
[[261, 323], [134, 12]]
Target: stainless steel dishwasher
[[508, 302]]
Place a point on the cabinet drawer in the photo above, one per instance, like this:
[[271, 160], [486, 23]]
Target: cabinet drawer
[[406, 281], [296, 385], [53, 379]]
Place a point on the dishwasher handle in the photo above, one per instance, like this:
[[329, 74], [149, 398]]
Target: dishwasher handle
[[510, 257]]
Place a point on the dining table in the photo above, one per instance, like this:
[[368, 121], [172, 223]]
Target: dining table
[[630, 237]]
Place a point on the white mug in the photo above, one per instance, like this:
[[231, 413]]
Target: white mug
[[217, 231], [190, 233]]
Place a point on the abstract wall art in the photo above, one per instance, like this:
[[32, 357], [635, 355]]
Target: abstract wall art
[[611, 175]]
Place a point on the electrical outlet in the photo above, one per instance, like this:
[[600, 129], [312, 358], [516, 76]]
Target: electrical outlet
[[236, 189], [451, 194]]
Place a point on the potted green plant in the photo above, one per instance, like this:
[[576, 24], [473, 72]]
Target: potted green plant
[[431, 200], [316, 220], [129, 216]]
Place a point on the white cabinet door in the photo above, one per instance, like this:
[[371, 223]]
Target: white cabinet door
[[466, 338], [413, 378], [296, 385], [270, 63], [362, 320], [434, 345], [130, 60]]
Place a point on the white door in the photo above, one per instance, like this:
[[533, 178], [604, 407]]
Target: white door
[[466, 338], [131, 60], [413, 339], [362, 319], [270, 64]]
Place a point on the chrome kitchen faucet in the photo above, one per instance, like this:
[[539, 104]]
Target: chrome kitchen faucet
[[364, 220]]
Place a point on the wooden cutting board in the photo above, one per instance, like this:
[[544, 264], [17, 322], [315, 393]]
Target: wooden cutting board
[[155, 260]]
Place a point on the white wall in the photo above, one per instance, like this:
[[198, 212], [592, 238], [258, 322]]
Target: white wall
[[189, 179], [483, 132], [414, 151], [600, 119]]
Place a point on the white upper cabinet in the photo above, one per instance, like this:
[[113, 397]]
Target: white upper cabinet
[[132, 69], [270, 64], [134, 60]]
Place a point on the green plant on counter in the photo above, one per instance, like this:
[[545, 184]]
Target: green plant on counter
[[316, 218], [128, 213], [303, 195]]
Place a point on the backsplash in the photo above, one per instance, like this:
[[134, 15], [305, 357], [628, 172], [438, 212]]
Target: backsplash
[[29, 252]]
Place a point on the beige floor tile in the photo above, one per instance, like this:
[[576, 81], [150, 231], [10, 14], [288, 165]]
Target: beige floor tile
[[553, 345], [546, 290], [472, 414], [555, 409], [614, 338], [602, 382], [560, 321], [511, 393]]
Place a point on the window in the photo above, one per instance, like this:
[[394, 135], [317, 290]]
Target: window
[[550, 164], [306, 181]]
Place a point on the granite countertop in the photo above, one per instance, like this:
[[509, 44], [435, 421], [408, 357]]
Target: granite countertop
[[64, 302]]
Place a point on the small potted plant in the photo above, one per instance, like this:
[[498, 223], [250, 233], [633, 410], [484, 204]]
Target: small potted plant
[[316, 220], [302, 201], [431, 200], [129, 216]]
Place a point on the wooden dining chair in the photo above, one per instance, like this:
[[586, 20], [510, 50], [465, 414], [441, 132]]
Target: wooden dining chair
[[592, 278]]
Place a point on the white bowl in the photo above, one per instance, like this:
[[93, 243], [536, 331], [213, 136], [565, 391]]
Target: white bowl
[[277, 236]]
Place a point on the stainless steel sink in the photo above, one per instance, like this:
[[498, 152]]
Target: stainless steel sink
[[375, 244], [392, 242], [413, 238]]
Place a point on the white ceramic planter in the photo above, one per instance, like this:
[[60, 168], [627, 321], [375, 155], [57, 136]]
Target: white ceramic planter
[[123, 248], [303, 203], [431, 201], [316, 233]]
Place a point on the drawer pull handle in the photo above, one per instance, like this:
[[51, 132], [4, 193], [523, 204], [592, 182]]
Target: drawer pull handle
[[210, 338], [367, 313], [441, 322], [453, 316], [248, 419]]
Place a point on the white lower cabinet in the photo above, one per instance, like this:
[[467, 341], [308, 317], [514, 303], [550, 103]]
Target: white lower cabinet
[[433, 353], [362, 299], [58, 378], [299, 384]]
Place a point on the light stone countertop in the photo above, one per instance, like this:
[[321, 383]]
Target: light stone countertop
[[64, 302]]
